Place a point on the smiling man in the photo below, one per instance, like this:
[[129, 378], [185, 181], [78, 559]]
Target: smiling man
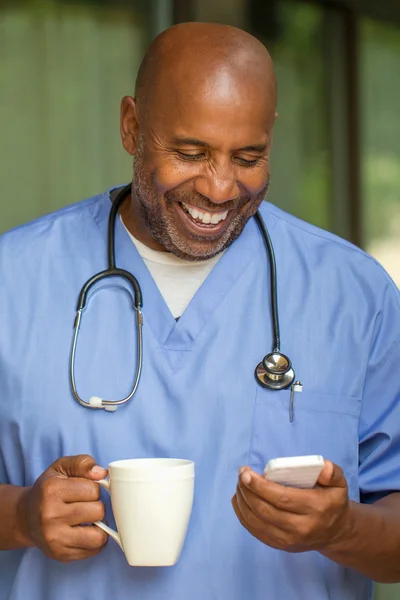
[[200, 131]]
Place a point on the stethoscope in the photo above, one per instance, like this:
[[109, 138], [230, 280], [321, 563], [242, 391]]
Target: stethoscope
[[274, 372]]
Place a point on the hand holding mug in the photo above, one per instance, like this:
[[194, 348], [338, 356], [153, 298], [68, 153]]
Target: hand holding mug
[[65, 497]]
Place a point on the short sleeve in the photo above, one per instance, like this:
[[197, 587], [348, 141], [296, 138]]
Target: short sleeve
[[3, 474], [379, 429]]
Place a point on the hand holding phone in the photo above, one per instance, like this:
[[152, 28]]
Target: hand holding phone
[[291, 519], [295, 471]]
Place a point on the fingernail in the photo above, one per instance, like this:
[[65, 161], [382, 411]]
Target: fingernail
[[242, 470], [245, 477], [97, 470]]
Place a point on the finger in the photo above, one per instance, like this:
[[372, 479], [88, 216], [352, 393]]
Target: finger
[[238, 511], [264, 537], [75, 554], [332, 476], [74, 489], [289, 499], [283, 529], [81, 465], [268, 513], [248, 516], [84, 512], [88, 537]]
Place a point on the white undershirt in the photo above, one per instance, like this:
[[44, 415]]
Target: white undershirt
[[178, 280]]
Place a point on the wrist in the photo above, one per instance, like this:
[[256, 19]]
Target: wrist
[[21, 520], [345, 535]]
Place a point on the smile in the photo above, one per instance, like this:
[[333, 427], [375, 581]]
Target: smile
[[203, 216]]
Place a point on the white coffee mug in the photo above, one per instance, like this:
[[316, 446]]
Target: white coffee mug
[[152, 500]]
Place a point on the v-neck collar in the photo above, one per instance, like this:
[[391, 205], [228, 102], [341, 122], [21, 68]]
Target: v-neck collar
[[175, 338]]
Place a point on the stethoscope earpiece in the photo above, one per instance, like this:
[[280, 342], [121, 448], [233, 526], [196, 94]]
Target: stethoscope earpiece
[[275, 371]]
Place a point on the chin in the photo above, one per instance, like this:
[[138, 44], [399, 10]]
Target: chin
[[193, 250]]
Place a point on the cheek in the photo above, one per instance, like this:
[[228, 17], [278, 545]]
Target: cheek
[[255, 182], [157, 172], [168, 175]]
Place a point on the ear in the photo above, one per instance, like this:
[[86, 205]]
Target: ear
[[270, 138], [271, 133], [129, 125]]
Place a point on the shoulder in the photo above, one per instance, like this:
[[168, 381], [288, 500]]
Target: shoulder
[[329, 257], [63, 238], [309, 234], [53, 249], [36, 234]]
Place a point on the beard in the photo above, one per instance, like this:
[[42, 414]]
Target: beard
[[165, 227]]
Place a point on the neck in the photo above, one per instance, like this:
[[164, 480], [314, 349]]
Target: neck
[[135, 223]]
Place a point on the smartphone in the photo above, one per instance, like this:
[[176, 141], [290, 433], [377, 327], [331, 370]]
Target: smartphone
[[295, 471]]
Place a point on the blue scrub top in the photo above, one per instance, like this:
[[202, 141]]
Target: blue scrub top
[[198, 398]]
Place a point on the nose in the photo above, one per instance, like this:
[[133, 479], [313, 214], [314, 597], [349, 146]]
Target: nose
[[218, 184]]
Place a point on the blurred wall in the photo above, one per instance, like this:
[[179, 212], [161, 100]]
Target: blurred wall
[[63, 71]]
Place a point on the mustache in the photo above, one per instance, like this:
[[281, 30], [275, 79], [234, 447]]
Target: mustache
[[202, 202]]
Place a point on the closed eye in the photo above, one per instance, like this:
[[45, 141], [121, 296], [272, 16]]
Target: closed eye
[[248, 163], [199, 156], [185, 156]]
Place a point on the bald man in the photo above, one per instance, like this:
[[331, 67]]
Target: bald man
[[200, 130]]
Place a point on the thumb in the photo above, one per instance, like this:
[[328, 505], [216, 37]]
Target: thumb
[[332, 476], [81, 465]]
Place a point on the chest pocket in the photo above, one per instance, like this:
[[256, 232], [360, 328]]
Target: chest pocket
[[322, 424]]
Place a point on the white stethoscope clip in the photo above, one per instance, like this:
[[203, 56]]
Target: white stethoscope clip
[[96, 402]]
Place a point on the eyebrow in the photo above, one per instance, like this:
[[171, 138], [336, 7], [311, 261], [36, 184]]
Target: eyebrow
[[181, 141], [254, 148]]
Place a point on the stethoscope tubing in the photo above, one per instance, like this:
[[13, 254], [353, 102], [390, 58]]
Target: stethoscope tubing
[[268, 373]]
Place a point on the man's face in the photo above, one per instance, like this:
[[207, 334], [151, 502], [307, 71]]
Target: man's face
[[201, 172]]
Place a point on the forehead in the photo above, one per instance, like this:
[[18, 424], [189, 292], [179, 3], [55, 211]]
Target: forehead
[[216, 107]]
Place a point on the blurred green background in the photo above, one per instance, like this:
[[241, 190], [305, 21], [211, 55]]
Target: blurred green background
[[336, 157]]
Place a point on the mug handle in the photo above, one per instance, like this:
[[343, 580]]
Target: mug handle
[[111, 532]]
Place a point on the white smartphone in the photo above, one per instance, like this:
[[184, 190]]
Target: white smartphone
[[295, 471]]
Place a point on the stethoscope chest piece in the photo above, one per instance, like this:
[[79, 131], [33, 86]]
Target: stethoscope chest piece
[[275, 371]]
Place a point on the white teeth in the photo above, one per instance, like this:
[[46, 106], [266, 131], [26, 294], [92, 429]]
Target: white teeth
[[214, 219], [205, 217]]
